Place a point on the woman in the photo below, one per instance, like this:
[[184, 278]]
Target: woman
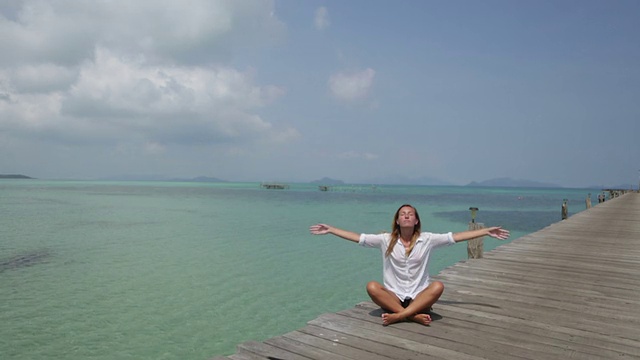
[[407, 292]]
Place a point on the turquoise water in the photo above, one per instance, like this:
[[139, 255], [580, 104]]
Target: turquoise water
[[151, 270]]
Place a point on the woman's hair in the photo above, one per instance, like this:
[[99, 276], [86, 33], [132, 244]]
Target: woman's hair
[[395, 233]]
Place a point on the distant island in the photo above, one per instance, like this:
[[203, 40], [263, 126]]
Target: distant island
[[15, 176], [509, 182]]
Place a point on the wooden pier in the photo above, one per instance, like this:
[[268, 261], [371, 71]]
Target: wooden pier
[[568, 291]]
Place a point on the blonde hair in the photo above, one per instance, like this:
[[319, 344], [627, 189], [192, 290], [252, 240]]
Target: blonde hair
[[395, 232]]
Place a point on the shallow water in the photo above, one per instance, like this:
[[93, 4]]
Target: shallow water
[[152, 270]]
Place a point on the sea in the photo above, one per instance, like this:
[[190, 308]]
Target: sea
[[185, 270]]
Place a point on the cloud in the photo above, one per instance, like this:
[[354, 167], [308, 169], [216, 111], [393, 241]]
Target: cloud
[[41, 78], [66, 32], [136, 73], [114, 97], [357, 155], [351, 86], [153, 148], [321, 20]]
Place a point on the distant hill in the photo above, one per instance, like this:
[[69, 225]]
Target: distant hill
[[328, 181], [14, 176], [509, 182]]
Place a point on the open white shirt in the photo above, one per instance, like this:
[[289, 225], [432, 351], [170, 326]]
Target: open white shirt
[[405, 275]]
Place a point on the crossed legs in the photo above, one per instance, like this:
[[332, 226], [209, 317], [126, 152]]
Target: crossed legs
[[387, 300]]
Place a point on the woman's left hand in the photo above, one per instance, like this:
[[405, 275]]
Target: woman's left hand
[[498, 232]]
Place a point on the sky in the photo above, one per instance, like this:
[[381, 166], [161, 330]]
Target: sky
[[361, 91]]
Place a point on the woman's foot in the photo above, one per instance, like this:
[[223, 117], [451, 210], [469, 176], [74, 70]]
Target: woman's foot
[[388, 319], [423, 319]]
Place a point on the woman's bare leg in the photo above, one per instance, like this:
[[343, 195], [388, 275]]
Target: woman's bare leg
[[422, 302], [387, 300], [383, 297]]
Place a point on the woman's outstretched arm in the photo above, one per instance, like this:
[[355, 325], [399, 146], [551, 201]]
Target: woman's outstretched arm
[[495, 232], [323, 229]]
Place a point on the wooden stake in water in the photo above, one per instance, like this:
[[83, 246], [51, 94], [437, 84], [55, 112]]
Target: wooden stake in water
[[475, 247]]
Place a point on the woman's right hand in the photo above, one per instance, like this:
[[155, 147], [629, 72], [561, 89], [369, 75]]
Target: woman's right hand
[[319, 229]]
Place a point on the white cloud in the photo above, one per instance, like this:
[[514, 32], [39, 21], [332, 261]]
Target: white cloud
[[41, 78], [168, 104], [357, 155], [351, 86], [321, 20], [66, 32], [136, 73], [153, 148]]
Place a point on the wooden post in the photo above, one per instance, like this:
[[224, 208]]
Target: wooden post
[[475, 247], [589, 201], [565, 210]]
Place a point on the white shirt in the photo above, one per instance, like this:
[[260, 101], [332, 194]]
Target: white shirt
[[405, 275]]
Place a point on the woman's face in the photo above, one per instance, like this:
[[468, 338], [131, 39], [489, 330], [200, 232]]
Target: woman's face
[[407, 217]]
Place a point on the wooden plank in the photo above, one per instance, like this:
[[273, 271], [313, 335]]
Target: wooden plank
[[392, 338], [290, 344], [621, 259], [496, 333], [344, 344], [557, 299], [444, 337], [608, 306], [436, 345], [541, 276], [265, 351], [524, 264], [544, 273], [241, 355], [490, 340], [566, 335], [545, 313], [621, 345], [537, 286]]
